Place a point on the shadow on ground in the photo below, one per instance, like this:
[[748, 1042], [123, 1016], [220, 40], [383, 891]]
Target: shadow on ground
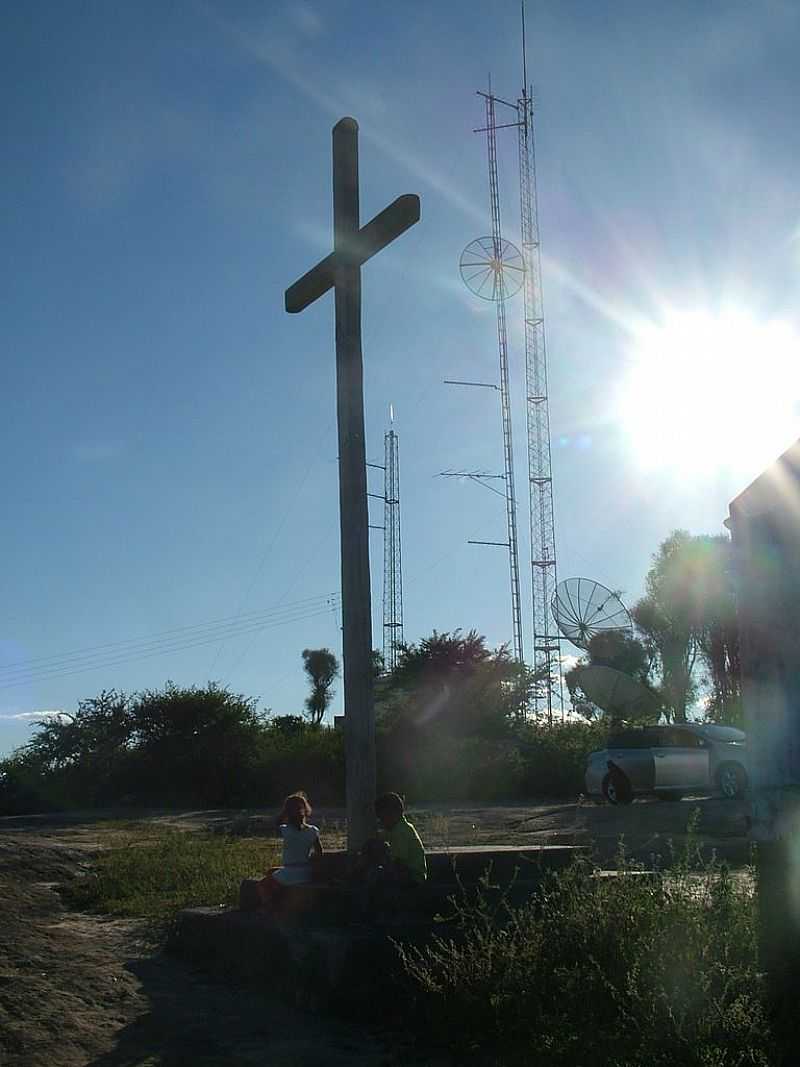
[[191, 1018]]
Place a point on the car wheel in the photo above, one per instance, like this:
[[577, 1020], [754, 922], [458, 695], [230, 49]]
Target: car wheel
[[671, 795], [617, 788], [731, 780]]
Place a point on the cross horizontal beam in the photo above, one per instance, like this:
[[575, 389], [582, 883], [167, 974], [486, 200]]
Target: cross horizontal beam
[[395, 219]]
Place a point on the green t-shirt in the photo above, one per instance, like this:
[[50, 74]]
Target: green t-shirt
[[407, 848]]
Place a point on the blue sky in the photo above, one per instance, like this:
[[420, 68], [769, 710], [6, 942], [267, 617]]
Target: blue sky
[[169, 432]]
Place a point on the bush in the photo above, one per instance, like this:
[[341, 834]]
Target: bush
[[22, 789], [555, 757], [310, 759], [631, 970], [436, 768]]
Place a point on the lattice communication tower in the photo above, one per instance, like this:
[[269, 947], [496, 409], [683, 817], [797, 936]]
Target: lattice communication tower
[[392, 556], [544, 577], [493, 269]]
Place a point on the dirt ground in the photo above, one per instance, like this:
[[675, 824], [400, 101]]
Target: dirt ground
[[78, 989]]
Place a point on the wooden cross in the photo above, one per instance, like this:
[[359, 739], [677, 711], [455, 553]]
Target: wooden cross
[[341, 270]]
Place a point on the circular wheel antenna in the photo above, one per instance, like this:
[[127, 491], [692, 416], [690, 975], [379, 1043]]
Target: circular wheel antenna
[[583, 608], [492, 270]]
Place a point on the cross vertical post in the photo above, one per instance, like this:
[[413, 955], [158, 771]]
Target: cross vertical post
[[359, 720], [341, 270]]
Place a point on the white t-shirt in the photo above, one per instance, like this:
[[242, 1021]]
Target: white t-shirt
[[297, 846]]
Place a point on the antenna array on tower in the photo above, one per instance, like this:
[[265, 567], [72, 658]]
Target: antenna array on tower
[[392, 555], [540, 475], [495, 270]]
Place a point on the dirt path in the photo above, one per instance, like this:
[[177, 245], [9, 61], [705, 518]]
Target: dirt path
[[82, 990]]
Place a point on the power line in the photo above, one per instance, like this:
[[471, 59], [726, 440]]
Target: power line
[[184, 638], [47, 675], [225, 620]]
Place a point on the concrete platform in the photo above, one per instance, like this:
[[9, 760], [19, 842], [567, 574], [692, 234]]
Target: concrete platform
[[318, 941]]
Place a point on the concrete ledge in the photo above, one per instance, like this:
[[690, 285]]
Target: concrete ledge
[[505, 862], [316, 941], [467, 863]]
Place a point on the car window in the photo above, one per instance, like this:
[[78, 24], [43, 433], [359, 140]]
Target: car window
[[628, 739], [674, 737], [689, 739]]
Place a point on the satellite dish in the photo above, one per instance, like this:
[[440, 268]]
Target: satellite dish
[[493, 272], [583, 608], [615, 692]]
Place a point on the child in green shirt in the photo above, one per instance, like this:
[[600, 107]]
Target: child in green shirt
[[406, 864]]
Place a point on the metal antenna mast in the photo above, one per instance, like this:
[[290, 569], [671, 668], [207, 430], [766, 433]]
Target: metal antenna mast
[[540, 476], [492, 268], [392, 556]]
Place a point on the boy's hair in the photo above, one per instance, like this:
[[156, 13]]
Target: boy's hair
[[390, 802], [298, 796]]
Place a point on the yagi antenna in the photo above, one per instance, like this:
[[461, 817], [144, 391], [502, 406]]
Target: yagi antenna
[[524, 54]]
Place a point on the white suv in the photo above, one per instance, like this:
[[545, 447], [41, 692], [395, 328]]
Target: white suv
[[669, 761]]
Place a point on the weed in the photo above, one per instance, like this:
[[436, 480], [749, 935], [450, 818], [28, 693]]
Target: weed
[[152, 874], [646, 967]]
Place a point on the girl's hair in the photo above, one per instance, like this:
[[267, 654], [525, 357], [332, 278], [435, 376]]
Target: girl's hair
[[294, 798]]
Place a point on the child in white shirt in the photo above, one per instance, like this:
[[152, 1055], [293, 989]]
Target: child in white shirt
[[301, 845], [300, 841]]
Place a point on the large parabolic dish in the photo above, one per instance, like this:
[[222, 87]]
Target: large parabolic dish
[[615, 692], [492, 270], [583, 608]]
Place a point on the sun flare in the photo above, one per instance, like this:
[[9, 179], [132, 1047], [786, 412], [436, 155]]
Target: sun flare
[[708, 393]]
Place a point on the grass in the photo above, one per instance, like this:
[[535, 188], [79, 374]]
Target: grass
[[632, 970], [151, 873]]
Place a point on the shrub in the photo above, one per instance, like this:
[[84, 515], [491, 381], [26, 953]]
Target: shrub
[[630, 970], [445, 768], [554, 757], [310, 759]]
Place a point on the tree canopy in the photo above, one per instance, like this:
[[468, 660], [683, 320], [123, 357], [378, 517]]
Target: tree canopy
[[453, 683], [322, 669], [687, 619]]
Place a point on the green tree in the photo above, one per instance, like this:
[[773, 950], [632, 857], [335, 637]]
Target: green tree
[[454, 683], [322, 669], [448, 717], [718, 631], [196, 744], [101, 727], [82, 753], [688, 620]]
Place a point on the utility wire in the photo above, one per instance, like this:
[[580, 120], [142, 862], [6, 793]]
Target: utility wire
[[221, 622], [184, 637], [159, 651]]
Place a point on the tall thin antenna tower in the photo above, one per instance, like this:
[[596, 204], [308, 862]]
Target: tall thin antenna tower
[[540, 475], [392, 556], [492, 268]]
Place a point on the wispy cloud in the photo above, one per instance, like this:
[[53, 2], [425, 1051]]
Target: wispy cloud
[[305, 19], [273, 46], [34, 716]]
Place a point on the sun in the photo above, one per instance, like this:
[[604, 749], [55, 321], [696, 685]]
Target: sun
[[706, 393]]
